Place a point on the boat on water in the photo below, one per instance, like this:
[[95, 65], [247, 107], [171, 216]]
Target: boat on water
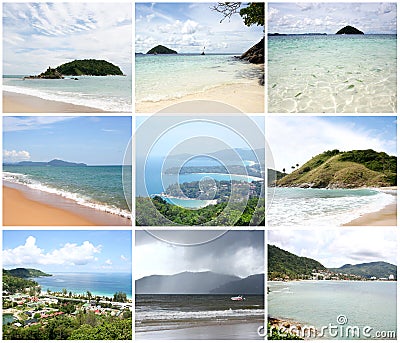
[[238, 298]]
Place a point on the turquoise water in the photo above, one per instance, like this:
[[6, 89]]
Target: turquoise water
[[108, 93], [103, 284], [8, 318], [319, 303], [99, 187], [163, 77], [333, 73], [312, 206]]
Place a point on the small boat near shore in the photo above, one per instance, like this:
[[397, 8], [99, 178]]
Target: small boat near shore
[[238, 298]]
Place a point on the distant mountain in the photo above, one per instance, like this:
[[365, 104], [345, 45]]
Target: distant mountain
[[282, 263], [350, 169], [183, 283], [161, 49], [253, 284], [273, 176], [367, 270], [25, 272], [52, 163], [89, 67]]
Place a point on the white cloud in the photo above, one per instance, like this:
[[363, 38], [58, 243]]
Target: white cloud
[[108, 262], [334, 248], [30, 123], [69, 254], [123, 258], [16, 156]]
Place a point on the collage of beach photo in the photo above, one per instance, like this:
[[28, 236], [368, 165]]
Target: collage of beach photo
[[199, 170]]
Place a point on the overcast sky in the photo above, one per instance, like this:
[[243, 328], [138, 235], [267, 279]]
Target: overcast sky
[[188, 27], [296, 139], [39, 35], [238, 253], [334, 248], [301, 17]]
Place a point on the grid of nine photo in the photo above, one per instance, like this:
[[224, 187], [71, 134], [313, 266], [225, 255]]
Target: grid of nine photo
[[160, 180]]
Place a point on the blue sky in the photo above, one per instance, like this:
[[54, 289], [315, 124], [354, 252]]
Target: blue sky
[[68, 251], [38, 35], [296, 139], [91, 140], [334, 248], [302, 17], [188, 27], [174, 132]]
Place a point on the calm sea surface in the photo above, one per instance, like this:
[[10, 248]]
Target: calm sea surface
[[103, 284], [163, 77], [99, 187], [319, 303], [333, 73]]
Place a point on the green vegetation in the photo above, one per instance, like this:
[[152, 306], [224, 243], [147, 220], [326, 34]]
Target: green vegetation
[[283, 264], [252, 14], [89, 67], [161, 49], [274, 175], [352, 169], [368, 270], [14, 284], [84, 326], [157, 212], [25, 272], [279, 334]]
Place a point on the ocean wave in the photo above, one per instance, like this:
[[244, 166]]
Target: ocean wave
[[80, 199], [330, 210], [110, 104], [146, 315]]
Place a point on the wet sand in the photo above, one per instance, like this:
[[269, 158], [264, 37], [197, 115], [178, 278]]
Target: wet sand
[[22, 207], [385, 217], [243, 331], [247, 98], [21, 103]]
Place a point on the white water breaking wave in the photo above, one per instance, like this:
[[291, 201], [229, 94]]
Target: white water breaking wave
[[180, 315], [109, 104], [80, 199], [323, 207]]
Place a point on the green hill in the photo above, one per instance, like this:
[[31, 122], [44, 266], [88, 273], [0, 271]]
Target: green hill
[[25, 272], [378, 269], [13, 284], [89, 67], [351, 169], [161, 49], [283, 264]]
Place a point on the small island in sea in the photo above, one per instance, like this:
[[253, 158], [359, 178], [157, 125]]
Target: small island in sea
[[347, 70], [161, 49], [295, 282], [200, 63]]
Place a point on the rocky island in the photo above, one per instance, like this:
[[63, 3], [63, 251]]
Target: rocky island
[[161, 49], [349, 30], [89, 67]]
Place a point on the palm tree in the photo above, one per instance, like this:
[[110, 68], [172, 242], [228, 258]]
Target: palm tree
[[297, 165], [284, 170], [293, 167]]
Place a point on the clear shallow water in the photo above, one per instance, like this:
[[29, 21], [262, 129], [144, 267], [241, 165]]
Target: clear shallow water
[[298, 206], [98, 187], [108, 93], [161, 312], [334, 73], [164, 77], [8, 318], [319, 303], [103, 284]]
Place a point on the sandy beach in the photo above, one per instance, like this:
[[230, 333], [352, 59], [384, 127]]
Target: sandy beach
[[385, 217], [19, 209], [248, 98], [244, 331], [21, 103]]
